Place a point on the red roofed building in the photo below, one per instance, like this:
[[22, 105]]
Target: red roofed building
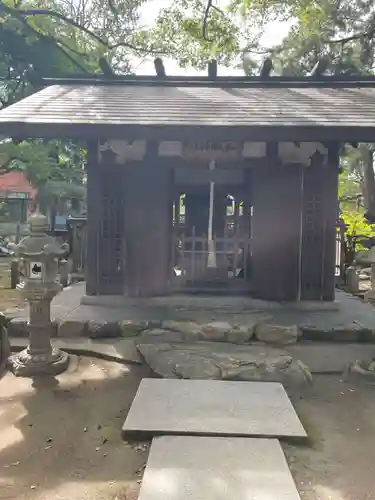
[[15, 185], [17, 198]]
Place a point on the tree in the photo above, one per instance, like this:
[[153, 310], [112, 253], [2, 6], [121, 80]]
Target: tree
[[340, 37], [49, 39], [93, 35]]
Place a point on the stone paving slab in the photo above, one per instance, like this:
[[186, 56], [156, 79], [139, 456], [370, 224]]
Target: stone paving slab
[[212, 468], [212, 407], [320, 357], [65, 303], [255, 363]]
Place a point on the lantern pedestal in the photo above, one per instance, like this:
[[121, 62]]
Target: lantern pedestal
[[29, 363], [39, 254], [39, 357]]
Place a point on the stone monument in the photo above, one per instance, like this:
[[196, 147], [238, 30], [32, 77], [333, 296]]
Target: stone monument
[[370, 295], [39, 255]]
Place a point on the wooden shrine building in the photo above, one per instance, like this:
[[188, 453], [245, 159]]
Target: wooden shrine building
[[207, 183]]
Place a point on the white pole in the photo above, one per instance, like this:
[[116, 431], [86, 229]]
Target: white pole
[[211, 210], [211, 261]]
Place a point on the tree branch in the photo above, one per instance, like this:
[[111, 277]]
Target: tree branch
[[58, 43], [57, 15], [347, 39], [68, 47], [369, 34], [206, 16], [217, 9], [71, 59], [205, 20]]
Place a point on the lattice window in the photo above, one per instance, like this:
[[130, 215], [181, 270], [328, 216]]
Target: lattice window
[[312, 236], [111, 234]]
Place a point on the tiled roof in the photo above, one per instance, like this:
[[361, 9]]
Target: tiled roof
[[94, 105], [16, 182], [196, 106]]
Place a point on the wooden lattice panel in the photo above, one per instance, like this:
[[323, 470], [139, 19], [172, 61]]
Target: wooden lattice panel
[[111, 230], [318, 233]]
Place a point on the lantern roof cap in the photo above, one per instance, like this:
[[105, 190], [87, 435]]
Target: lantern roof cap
[[38, 224]]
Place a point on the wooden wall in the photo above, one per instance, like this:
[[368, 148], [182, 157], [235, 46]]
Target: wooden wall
[[148, 226], [294, 231], [319, 216], [105, 226], [276, 230], [129, 224]]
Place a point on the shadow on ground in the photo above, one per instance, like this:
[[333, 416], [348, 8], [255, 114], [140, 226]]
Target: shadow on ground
[[64, 441]]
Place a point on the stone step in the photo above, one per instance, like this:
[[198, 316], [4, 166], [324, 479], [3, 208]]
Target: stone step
[[205, 468], [212, 407]]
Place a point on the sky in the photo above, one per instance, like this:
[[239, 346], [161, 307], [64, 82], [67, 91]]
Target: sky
[[274, 33]]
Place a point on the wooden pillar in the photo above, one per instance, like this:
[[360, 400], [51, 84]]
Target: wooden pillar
[[105, 224], [92, 257], [276, 231], [148, 223], [320, 214]]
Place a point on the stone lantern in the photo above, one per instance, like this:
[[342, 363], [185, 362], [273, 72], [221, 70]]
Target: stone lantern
[[39, 256]]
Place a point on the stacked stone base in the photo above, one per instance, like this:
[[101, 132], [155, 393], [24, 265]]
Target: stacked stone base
[[259, 328], [184, 349]]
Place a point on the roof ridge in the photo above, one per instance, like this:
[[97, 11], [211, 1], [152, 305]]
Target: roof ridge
[[224, 82]]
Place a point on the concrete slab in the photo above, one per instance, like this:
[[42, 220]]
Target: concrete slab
[[352, 320], [65, 303], [205, 468], [118, 350], [212, 407]]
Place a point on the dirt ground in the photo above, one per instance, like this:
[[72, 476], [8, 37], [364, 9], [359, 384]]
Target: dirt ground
[[63, 442]]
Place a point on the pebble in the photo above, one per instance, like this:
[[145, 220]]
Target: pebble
[[141, 447], [140, 470]]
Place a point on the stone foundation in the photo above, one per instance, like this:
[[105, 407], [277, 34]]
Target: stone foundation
[[116, 301], [259, 326]]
